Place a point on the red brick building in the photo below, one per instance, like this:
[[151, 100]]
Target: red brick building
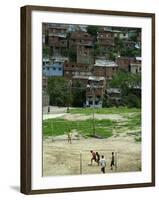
[[124, 63], [105, 68], [105, 39], [57, 39], [76, 69], [95, 89], [132, 65], [85, 54], [82, 38]]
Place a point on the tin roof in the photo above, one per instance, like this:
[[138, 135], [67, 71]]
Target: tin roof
[[105, 63]]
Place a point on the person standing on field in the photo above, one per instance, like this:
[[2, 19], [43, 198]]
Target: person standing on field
[[112, 164], [97, 157], [93, 156], [102, 164], [69, 137]]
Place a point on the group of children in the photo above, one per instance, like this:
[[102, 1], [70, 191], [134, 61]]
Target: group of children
[[100, 160]]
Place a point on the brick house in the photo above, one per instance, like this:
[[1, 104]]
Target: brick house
[[124, 63], [57, 39], [135, 65], [95, 91], [73, 69], [105, 68], [95, 88], [105, 39], [82, 42], [82, 38], [85, 54], [132, 65]]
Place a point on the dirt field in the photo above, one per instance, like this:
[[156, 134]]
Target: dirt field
[[61, 158]]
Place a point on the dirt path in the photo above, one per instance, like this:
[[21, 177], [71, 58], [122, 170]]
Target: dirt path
[[72, 117], [61, 158]]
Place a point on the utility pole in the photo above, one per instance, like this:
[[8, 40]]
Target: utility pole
[[91, 86], [93, 93], [69, 100]]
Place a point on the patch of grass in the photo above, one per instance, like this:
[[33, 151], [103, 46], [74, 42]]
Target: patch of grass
[[134, 121], [104, 128], [112, 110], [138, 139], [59, 126]]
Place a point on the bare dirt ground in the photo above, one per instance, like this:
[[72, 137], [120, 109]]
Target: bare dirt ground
[[61, 158]]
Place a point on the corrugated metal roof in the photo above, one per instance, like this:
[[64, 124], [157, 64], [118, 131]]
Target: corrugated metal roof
[[105, 63], [95, 78]]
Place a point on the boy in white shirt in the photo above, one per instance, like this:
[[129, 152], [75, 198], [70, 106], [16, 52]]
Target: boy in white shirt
[[102, 164]]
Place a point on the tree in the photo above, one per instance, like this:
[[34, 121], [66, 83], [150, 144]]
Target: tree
[[78, 95], [133, 101], [59, 91], [46, 52], [130, 87], [131, 52], [93, 30], [72, 55]]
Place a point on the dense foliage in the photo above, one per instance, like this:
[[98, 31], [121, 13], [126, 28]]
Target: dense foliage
[[129, 85]]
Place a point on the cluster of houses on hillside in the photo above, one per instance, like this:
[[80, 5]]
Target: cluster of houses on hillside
[[72, 56]]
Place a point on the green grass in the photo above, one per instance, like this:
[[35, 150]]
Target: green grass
[[112, 110], [60, 126], [138, 139], [134, 121], [104, 128]]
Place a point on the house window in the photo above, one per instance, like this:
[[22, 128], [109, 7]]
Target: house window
[[54, 68], [96, 102], [60, 69]]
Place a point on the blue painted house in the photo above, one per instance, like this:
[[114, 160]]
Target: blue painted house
[[55, 69]]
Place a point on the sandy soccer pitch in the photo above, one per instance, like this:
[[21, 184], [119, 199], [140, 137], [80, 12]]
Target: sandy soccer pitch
[[62, 158]]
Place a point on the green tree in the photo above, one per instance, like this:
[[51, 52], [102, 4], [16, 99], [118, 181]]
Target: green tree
[[78, 95], [93, 30], [46, 52], [59, 91], [130, 87], [130, 52], [72, 55], [133, 101]]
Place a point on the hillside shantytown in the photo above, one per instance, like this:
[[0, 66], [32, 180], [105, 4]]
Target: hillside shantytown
[[91, 66]]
